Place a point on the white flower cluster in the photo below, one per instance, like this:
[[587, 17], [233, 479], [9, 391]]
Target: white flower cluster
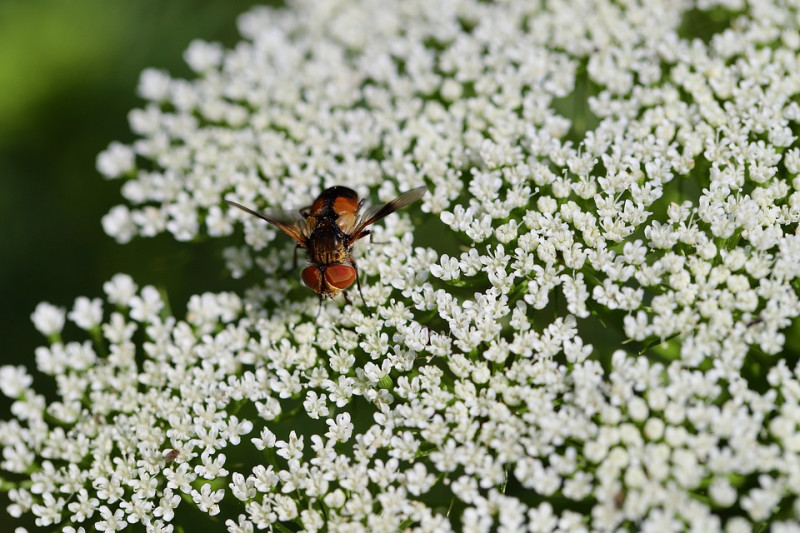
[[606, 352]]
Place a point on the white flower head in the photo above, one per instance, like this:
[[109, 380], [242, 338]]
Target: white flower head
[[592, 304]]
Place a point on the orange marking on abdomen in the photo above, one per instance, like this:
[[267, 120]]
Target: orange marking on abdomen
[[345, 206]]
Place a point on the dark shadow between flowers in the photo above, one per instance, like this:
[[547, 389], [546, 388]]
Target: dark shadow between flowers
[[704, 24]]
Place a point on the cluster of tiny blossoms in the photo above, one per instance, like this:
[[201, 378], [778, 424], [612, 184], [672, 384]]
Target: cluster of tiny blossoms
[[593, 339]]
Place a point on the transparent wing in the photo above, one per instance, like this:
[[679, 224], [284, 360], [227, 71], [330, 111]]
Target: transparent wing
[[289, 222], [377, 212]]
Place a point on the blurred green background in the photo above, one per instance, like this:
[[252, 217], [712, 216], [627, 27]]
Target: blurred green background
[[68, 76]]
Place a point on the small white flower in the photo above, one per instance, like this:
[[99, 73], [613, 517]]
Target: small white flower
[[722, 492], [211, 469], [167, 504], [315, 405], [180, 478], [112, 521], [119, 224], [265, 440], [49, 512], [145, 308], [153, 85], [116, 160], [87, 314], [335, 499], [241, 488], [117, 330], [14, 380], [340, 429], [120, 289], [448, 270], [286, 508], [206, 500], [243, 525], [48, 319], [418, 480], [291, 450], [202, 56]]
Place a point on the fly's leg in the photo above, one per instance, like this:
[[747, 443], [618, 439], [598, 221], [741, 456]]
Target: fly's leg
[[358, 284], [352, 263], [364, 234], [371, 241], [319, 307]]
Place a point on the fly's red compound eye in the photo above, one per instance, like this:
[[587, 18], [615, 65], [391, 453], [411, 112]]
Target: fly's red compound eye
[[340, 276], [312, 277]]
